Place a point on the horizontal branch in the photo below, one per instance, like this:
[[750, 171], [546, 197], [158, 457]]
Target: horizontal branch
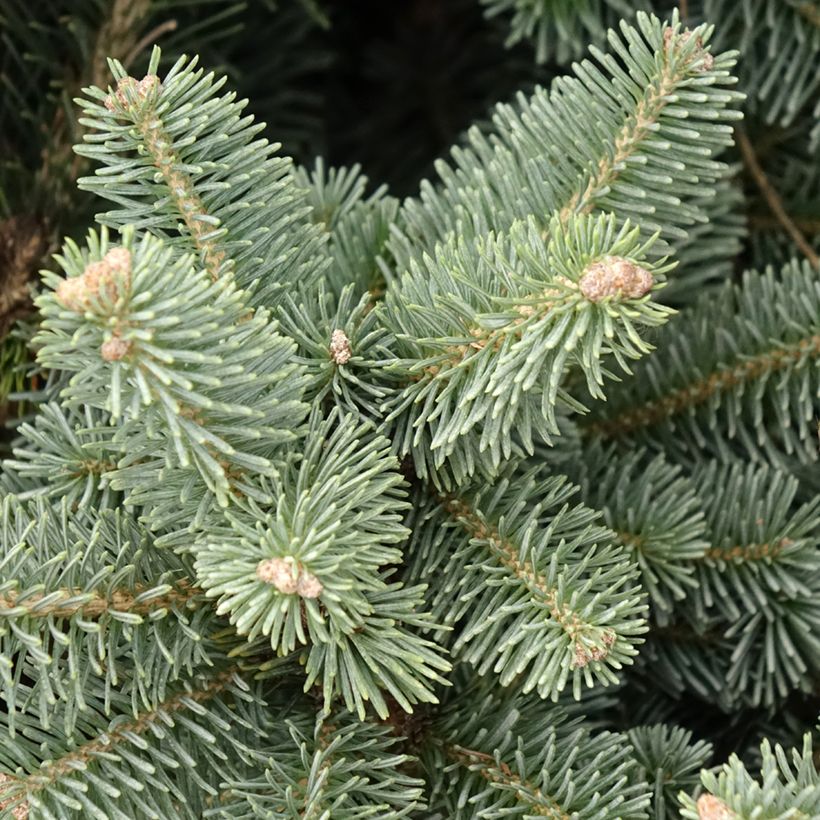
[[749, 552], [108, 740], [94, 605], [700, 391]]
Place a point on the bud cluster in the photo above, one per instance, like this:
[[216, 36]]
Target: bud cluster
[[100, 285], [133, 94], [289, 577], [615, 277]]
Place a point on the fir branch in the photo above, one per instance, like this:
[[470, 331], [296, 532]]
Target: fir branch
[[68, 603], [734, 357], [85, 598], [495, 752], [524, 543], [502, 322], [187, 165], [677, 61], [498, 773], [138, 103], [512, 316], [578, 631], [749, 552], [216, 382], [514, 290], [355, 770], [314, 570], [615, 165], [123, 733], [125, 767], [725, 378]]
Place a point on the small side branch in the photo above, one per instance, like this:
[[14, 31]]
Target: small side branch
[[148, 40], [773, 198]]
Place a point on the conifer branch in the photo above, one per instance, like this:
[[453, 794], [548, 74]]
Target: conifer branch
[[590, 643], [175, 508], [108, 741], [497, 772], [66, 603], [189, 166], [136, 101], [723, 379], [498, 752], [640, 124], [733, 357], [522, 541], [749, 552]]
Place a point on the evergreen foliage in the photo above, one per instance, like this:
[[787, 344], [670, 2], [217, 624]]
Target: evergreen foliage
[[788, 787], [497, 501]]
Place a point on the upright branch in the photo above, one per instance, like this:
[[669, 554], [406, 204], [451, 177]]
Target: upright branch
[[185, 163]]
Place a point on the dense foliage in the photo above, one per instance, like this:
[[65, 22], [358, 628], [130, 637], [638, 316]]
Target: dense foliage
[[497, 501]]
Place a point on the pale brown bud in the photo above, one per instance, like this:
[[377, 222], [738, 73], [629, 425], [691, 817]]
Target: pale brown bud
[[96, 275], [72, 293], [585, 654], [308, 585], [119, 260], [105, 279], [288, 577], [340, 347], [115, 348], [617, 277], [131, 93], [279, 573], [713, 808], [148, 85], [581, 658]]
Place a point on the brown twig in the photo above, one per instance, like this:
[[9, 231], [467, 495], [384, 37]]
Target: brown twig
[[773, 198], [766, 222], [151, 37], [810, 12]]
